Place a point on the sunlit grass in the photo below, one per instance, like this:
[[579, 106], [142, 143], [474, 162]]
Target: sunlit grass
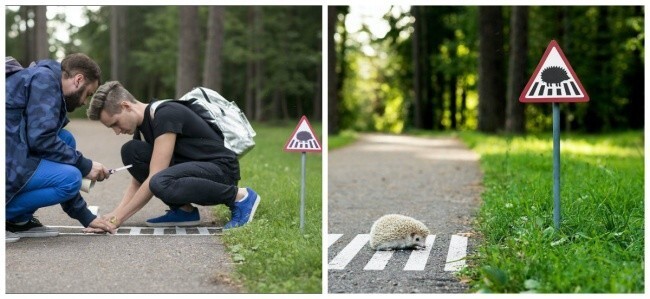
[[342, 139], [600, 245], [271, 253]]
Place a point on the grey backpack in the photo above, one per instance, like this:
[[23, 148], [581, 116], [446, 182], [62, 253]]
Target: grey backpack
[[222, 115]]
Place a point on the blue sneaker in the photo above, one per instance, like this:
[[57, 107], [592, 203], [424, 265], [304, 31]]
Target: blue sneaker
[[244, 211], [176, 217]]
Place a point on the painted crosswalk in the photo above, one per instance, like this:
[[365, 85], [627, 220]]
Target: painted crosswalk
[[147, 231], [417, 260]]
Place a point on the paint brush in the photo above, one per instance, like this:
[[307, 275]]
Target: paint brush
[[112, 171]]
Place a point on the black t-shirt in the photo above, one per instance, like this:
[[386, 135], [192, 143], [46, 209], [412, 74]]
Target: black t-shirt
[[195, 139]]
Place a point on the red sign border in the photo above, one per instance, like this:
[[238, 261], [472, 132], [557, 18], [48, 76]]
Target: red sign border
[[303, 118], [524, 99]]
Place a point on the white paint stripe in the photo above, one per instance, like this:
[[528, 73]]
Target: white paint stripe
[[140, 235], [457, 253], [203, 231], [379, 260], [332, 238], [418, 259], [94, 209], [130, 227], [159, 231], [134, 231], [347, 254], [181, 231]]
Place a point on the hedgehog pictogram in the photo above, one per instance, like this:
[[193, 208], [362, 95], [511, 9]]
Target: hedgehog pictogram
[[554, 75], [304, 136]]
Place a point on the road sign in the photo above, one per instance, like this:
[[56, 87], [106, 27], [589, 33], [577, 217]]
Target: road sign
[[303, 138], [554, 80]]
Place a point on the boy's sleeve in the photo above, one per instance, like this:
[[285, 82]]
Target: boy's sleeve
[[76, 208]]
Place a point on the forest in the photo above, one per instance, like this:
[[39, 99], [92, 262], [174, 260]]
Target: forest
[[444, 68], [265, 58]]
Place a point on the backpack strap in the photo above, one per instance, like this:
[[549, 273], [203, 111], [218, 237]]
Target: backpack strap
[[154, 105]]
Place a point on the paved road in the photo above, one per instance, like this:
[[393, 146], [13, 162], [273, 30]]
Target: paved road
[[116, 264], [435, 180]]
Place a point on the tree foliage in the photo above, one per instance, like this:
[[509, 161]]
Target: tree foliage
[[289, 51], [436, 69]]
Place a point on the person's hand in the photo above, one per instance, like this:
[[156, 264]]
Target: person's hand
[[100, 226], [99, 172]]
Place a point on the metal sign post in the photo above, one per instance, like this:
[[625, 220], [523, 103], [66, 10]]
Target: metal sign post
[[554, 81], [556, 165], [303, 140], [302, 193]]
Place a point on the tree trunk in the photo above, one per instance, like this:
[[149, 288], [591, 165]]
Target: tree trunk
[[250, 64], [417, 69], [118, 43], [453, 100], [29, 36], [463, 104], [332, 78], [41, 44], [318, 94], [515, 121], [187, 69], [212, 70], [259, 72], [491, 87], [426, 73]]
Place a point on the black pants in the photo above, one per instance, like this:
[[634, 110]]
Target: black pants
[[202, 183]]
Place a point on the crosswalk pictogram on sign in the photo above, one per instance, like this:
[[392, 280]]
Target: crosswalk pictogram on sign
[[303, 138], [553, 80]]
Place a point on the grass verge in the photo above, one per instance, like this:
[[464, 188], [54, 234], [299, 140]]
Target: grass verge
[[271, 253], [599, 247], [342, 139]]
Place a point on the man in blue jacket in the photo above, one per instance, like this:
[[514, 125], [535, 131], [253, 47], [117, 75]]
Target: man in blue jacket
[[43, 168]]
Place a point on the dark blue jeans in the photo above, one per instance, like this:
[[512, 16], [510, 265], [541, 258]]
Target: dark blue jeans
[[52, 183], [202, 183]]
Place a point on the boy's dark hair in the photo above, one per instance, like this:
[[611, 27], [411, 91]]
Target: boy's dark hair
[[80, 63]]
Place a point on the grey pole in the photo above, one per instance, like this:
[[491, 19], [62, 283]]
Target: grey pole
[[302, 194], [556, 165]]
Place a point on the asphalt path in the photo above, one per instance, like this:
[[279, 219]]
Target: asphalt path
[[78, 263], [435, 180]]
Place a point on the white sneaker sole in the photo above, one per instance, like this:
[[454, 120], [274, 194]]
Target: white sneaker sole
[[257, 202], [11, 240], [40, 234]]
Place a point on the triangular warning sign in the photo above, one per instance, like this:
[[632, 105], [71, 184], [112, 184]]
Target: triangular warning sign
[[553, 80], [303, 138]]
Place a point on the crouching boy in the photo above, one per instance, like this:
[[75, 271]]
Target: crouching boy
[[179, 159]]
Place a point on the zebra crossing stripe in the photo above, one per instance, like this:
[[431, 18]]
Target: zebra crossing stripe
[[332, 238], [418, 259], [456, 254], [379, 260], [144, 231], [347, 254]]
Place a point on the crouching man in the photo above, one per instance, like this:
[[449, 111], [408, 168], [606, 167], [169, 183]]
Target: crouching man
[[180, 160]]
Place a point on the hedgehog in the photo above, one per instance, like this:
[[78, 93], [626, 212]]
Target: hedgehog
[[393, 231], [554, 75], [304, 136]]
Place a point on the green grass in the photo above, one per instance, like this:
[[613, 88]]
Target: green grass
[[342, 139], [272, 255], [600, 245]]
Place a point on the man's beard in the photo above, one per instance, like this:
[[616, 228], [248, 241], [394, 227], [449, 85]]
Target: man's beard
[[73, 101]]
